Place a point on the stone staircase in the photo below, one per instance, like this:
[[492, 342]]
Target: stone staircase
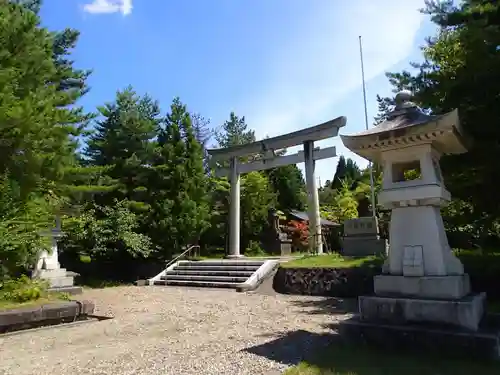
[[234, 274]]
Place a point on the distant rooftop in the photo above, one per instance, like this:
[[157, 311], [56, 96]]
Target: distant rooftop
[[304, 216]]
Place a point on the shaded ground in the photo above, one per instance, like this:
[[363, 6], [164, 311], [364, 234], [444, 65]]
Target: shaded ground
[[339, 358]]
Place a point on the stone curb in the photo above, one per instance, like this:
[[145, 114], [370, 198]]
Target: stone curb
[[34, 316]]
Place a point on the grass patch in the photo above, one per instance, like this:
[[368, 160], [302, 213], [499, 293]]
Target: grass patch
[[341, 359], [331, 261], [23, 292], [51, 298], [251, 256]]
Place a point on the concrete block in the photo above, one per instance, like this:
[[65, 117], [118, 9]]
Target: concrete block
[[50, 274], [72, 290], [434, 287], [465, 313], [60, 282], [481, 345]]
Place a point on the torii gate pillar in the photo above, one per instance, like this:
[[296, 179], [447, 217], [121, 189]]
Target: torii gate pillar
[[315, 238], [234, 211]]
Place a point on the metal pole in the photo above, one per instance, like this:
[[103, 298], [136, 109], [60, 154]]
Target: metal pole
[[372, 184]]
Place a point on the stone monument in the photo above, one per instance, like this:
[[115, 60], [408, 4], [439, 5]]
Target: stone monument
[[361, 238], [49, 269], [422, 281]]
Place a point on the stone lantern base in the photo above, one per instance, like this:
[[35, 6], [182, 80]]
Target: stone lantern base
[[427, 338], [465, 312], [452, 287], [59, 280]]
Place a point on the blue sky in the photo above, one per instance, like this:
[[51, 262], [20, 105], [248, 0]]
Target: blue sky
[[283, 64]]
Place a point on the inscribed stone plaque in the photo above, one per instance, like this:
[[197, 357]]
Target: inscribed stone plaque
[[362, 226], [413, 261]]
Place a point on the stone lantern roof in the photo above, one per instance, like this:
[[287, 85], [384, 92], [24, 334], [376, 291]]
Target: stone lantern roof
[[407, 125]]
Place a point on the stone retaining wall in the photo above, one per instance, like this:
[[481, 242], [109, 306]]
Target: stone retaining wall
[[48, 314], [333, 282]]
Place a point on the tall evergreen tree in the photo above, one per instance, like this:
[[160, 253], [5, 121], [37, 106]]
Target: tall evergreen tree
[[234, 132], [202, 133], [179, 199], [339, 173], [123, 142], [32, 5], [346, 170], [39, 126]]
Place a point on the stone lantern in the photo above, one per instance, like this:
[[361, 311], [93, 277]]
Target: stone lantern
[[422, 280], [48, 267]]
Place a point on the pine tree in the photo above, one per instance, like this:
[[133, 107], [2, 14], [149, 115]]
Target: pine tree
[[347, 170], [32, 5], [339, 173], [234, 132], [38, 129], [385, 106], [39, 126], [202, 133], [179, 199], [123, 142]]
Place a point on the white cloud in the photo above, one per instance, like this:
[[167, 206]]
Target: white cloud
[[109, 6], [321, 64]]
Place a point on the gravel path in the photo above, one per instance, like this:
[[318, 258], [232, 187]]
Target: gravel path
[[181, 331]]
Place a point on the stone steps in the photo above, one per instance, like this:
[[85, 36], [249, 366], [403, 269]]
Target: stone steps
[[197, 284], [203, 272], [222, 262], [217, 268], [210, 273], [224, 279]]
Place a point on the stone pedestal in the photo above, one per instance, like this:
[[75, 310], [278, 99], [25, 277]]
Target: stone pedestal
[[419, 245], [285, 247], [481, 345], [466, 312], [362, 247], [49, 269], [433, 287], [361, 238]]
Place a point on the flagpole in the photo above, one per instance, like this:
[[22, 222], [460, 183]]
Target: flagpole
[[372, 185]]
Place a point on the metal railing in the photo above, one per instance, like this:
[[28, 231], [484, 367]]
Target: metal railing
[[188, 250]]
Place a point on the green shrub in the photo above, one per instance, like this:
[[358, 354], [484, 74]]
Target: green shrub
[[23, 290], [254, 249], [483, 269]]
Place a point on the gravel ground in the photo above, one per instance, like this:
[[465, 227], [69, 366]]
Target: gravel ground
[[181, 331]]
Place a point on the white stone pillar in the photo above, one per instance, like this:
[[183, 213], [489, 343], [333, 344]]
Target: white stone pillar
[[234, 211], [315, 241]]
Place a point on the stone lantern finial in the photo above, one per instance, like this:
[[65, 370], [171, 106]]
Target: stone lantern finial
[[403, 98], [403, 104]]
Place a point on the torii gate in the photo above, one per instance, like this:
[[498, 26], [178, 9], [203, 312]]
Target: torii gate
[[267, 147]]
